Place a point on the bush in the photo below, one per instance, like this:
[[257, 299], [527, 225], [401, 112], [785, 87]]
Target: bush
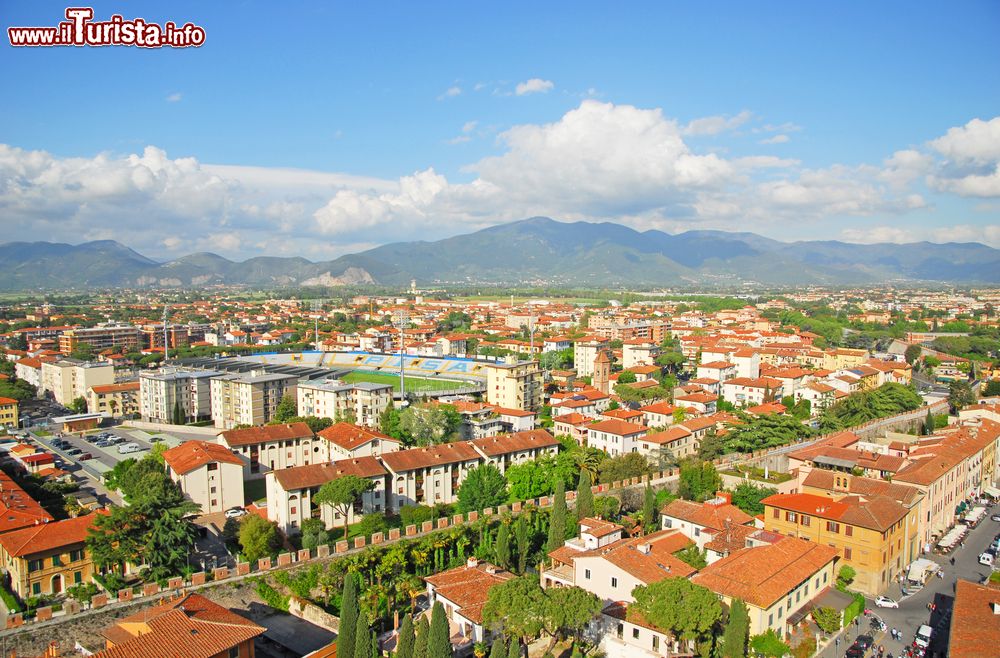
[[111, 582], [271, 596], [9, 600], [82, 592], [372, 523]]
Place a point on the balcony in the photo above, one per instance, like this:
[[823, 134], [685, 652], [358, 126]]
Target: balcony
[[558, 576]]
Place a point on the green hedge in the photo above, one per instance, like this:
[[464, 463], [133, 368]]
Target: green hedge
[[10, 600], [854, 608]]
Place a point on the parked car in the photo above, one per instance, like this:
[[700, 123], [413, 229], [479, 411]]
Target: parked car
[[885, 602], [103, 443], [923, 636], [864, 641], [74, 451], [235, 512], [129, 448], [987, 557], [995, 517], [84, 457]]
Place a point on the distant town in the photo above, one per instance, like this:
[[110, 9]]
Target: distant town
[[426, 473]]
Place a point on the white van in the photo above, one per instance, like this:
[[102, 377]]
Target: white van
[[987, 558], [923, 636], [129, 448]]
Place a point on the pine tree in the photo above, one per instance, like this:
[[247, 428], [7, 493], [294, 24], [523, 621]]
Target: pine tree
[[498, 650], [348, 618], [557, 518], [649, 510], [501, 550], [584, 497], [734, 638], [515, 648], [362, 638], [404, 644], [420, 641], [438, 640]]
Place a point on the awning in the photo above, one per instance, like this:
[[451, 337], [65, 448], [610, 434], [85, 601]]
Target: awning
[[992, 491]]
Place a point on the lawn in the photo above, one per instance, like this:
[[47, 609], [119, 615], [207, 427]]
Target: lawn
[[255, 490], [413, 384]]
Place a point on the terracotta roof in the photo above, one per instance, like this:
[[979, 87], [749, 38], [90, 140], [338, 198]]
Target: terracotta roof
[[265, 434], [975, 622], [349, 436], [314, 475], [571, 419], [519, 413], [468, 587], [622, 414], [188, 627], [731, 539], [17, 508], [716, 516], [664, 408], [7, 401], [503, 444], [649, 559], [667, 436], [436, 455], [695, 424], [819, 478], [116, 388], [47, 536], [877, 513], [763, 574], [192, 454], [619, 427], [599, 527]]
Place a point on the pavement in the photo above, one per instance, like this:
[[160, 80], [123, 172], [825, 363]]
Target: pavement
[[913, 611]]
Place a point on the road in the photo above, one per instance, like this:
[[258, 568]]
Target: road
[[913, 612]]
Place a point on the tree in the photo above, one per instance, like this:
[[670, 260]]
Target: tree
[[78, 405], [484, 486], [569, 610], [404, 645], [845, 577], [514, 651], [314, 533], [960, 394], [498, 650], [692, 556], [678, 605], [341, 494], [734, 639], [753, 433], [557, 519], [929, 422], [178, 414], [428, 425], [678, 416], [362, 638], [83, 352], [711, 446], [501, 546], [698, 481], [623, 467], [626, 377], [439, 639], [349, 616], [769, 645], [747, 497], [522, 538], [285, 410], [525, 610], [992, 388], [420, 641], [912, 353], [828, 619], [649, 509], [258, 537], [584, 497]]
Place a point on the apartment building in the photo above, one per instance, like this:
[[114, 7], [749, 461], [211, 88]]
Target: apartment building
[[361, 403], [248, 398], [211, 475], [585, 352], [345, 441], [8, 413], [120, 339], [462, 592], [870, 534], [69, 379], [48, 558], [274, 447], [615, 437], [515, 385], [512, 449], [162, 391], [118, 400], [743, 391], [703, 522]]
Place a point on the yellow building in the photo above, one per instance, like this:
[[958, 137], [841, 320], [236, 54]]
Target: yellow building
[[514, 385], [870, 534], [8, 412], [119, 400], [842, 358], [47, 558]]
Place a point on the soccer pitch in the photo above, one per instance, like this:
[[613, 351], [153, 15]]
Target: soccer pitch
[[413, 384]]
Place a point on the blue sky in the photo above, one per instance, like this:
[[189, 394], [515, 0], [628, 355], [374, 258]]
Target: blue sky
[[308, 128]]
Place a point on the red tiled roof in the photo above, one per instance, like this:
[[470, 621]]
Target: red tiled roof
[[48, 536], [516, 442], [266, 434], [667, 436], [314, 475], [619, 427], [975, 624], [349, 436], [192, 454], [436, 455], [116, 388], [707, 514], [468, 587]]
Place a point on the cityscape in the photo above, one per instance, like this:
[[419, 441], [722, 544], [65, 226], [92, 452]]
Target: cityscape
[[562, 331]]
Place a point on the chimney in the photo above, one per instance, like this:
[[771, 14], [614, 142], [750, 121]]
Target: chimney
[[996, 607], [472, 562], [643, 548], [490, 569], [725, 496]]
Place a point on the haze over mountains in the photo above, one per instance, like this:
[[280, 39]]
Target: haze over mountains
[[532, 251]]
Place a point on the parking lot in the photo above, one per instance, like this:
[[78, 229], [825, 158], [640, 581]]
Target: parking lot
[[100, 449], [35, 412]]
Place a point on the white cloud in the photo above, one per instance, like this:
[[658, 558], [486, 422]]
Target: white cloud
[[972, 165], [987, 234], [780, 138], [878, 234], [716, 124], [450, 92], [533, 86], [459, 139], [174, 97], [469, 126]]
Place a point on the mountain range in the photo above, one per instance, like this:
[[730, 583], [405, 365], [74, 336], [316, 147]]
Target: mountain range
[[536, 251]]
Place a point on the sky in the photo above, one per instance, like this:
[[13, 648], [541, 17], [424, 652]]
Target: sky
[[316, 129]]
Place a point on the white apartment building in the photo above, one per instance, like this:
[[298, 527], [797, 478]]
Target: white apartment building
[[615, 437], [162, 390], [248, 398], [208, 473], [515, 385], [362, 402], [274, 447], [69, 379], [584, 353]]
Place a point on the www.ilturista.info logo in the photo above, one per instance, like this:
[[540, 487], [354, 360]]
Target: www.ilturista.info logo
[[81, 30]]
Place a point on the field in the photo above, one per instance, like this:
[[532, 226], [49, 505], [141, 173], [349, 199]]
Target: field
[[413, 384]]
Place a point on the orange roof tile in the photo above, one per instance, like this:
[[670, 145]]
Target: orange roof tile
[[266, 434], [193, 454]]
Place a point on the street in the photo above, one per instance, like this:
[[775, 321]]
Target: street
[[912, 611]]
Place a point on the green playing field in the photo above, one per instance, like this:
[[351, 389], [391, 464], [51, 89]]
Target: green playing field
[[413, 384]]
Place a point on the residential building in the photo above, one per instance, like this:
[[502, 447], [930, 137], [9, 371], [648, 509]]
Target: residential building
[[121, 339], [669, 445], [211, 475], [512, 449], [248, 398], [345, 441], [274, 447], [69, 379], [162, 391], [975, 620], [615, 437], [778, 581], [17, 508], [8, 413], [515, 385], [189, 623], [48, 558], [428, 476], [625, 631], [702, 522], [119, 400], [360, 403], [462, 592], [869, 534], [743, 391], [585, 352]]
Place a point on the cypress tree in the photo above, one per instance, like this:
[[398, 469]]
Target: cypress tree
[[584, 497], [438, 640], [404, 643], [498, 650], [929, 423], [649, 510], [362, 638], [348, 618], [523, 544], [734, 638], [557, 518], [374, 652], [515, 648], [420, 642], [501, 550]]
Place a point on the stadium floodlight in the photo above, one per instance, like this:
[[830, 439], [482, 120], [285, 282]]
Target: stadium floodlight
[[401, 320]]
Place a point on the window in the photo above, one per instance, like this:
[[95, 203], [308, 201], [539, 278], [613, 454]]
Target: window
[[76, 556], [294, 510], [668, 523], [656, 642], [697, 532], [211, 490], [586, 574], [780, 613], [791, 517], [57, 560], [213, 466], [833, 527], [35, 565], [770, 619], [234, 652], [621, 630], [635, 633], [805, 521], [614, 582], [36, 588], [77, 576], [849, 530], [777, 514]]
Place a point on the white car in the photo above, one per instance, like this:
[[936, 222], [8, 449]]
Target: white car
[[885, 602], [235, 512]]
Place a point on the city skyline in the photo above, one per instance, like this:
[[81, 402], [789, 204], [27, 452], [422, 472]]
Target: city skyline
[[357, 126]]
